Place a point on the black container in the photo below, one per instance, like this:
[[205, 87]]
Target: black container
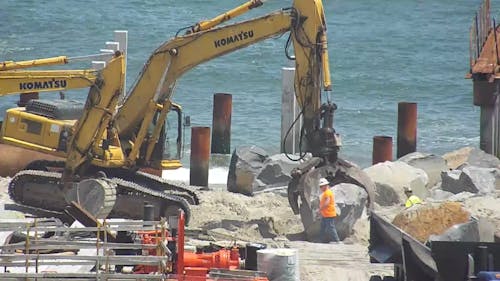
[[251, 255], [149, 213]]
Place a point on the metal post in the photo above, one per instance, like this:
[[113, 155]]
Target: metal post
[[290, 136], [407, 128], [121, 36], [382, 149], [486, 96], [148, 214], [221, 123], [200, 156]]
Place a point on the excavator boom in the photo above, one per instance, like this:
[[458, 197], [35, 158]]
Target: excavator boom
[[20, 82], [110, 141], [12, 65]]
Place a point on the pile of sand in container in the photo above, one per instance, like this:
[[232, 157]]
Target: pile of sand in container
[[266, 215], [424, 220]]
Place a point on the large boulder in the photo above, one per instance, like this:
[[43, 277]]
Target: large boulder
[[471, 179], [472, 156], [246, 163], [350, 201], [276, 170], [433, 165], [252, 170], [391, 177]]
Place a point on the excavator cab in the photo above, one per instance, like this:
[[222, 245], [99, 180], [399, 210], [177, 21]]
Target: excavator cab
[[168, 150]]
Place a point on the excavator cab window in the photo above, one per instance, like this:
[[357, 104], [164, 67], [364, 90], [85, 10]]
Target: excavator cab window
[[173, 140]]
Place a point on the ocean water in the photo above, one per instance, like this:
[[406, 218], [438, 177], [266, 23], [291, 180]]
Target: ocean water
[[381, 53]]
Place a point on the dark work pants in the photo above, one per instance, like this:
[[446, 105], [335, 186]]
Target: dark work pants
[[327, 231]]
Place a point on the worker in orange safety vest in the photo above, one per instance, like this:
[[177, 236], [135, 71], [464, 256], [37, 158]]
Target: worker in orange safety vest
[[328, 232]]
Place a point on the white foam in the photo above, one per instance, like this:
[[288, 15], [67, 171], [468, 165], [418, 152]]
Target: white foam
[[215, 175]]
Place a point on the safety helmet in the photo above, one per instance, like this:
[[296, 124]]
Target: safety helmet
[[323, 181], [407, 189]]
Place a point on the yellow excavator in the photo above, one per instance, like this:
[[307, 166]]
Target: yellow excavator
[[111, 140]]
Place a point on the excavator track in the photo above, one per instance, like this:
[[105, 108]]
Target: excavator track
[[190, 193], [40, 189]]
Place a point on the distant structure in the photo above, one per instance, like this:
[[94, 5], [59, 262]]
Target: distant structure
[[485, 74]]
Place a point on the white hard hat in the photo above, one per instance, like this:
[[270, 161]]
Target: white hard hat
[[407, 189], [323, 181]]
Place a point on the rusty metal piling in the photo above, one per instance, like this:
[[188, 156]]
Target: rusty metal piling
[[200, 156], [382, 149], [407, 128], [221, 123], [485, 96]]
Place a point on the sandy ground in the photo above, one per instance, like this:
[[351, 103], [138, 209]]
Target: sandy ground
[[267, 218]]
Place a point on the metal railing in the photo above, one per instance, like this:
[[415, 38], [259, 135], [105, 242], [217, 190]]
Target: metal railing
[[479, 31], [32, 259]]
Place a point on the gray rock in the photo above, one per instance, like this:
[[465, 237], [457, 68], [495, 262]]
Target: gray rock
[[461, 197], [471, 179], [439, 195], [396, 175], [432, 164], [386, 195], [272, 175], [246, 163], [350, 201], [253, 170], [472, 156], [482, 159]]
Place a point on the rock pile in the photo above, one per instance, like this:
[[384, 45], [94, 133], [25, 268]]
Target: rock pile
[[468, 176]]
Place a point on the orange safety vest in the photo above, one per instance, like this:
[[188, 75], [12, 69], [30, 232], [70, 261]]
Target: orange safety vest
[[329, 211]]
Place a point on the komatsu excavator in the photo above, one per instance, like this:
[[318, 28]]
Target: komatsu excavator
[[107, 144]]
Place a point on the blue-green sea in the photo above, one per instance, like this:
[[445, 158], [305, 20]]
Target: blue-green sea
[[381, 53]]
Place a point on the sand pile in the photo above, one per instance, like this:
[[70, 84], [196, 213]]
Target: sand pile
[[425, 220], [261, 217]]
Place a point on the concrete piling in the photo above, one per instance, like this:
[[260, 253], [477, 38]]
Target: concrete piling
[[221, 123], [382, 149], [200, 156], [407, 128]]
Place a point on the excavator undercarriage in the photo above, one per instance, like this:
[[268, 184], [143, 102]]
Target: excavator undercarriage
[[112, 193]]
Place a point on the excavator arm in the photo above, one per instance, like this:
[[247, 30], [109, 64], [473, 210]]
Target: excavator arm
[[93, 136], [13, 65], [156, 82], [20, 82]]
